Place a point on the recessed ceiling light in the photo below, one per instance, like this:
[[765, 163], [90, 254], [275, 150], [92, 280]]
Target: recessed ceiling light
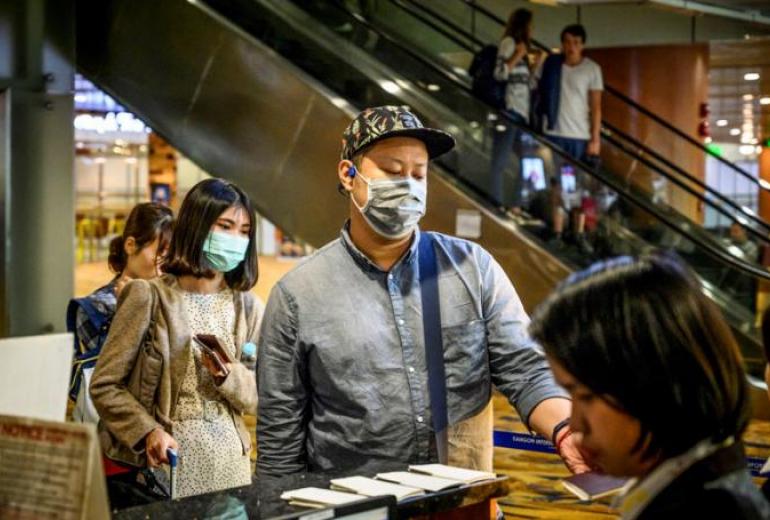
[[751, 76], [735, 131], [389, 86], [748, 97], [747, 149], [764, 100], [722, 122]]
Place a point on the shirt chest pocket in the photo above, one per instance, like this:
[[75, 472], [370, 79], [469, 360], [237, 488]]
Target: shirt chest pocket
[[458, 306], [466, 361]]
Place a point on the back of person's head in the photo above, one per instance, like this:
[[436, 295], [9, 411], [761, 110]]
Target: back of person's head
[[146, 223], [576, 30], [640, 334], [518, 25], [200, 210]]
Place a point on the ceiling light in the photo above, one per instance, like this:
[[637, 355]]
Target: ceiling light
[[751, 76], [748, 97], [735, 131], [764, 100], [389, 86], [722, 122], [747, 149]]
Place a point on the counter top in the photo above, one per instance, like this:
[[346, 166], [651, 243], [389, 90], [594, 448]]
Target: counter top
[[261, 500]]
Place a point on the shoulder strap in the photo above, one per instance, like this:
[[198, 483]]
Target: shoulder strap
[[93, 314], [434, 345]]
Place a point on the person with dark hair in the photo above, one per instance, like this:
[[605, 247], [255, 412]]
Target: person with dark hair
[[350, 374], [513, 67], [170, 376], [658, 387], [569, 97], [136, 253]]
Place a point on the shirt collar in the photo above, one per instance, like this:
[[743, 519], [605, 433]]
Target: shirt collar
[[641, 493], [365, 263]]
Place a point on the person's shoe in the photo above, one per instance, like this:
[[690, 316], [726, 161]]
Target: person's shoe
[[583, 245], [556, 243]]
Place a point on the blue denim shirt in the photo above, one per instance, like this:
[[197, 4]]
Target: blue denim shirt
[[342, 378]]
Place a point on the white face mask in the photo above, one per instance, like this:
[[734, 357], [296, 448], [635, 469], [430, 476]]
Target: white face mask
[[393, 206]]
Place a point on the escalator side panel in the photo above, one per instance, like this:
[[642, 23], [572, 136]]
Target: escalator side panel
[[244, 113]]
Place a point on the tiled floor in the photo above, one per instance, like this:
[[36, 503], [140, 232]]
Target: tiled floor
[[536, 490]]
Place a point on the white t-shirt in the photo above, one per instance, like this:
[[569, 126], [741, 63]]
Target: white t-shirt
[[574, 120], [517, 91]]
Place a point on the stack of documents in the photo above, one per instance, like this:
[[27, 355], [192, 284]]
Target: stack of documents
[[401, 484], [318, 498]]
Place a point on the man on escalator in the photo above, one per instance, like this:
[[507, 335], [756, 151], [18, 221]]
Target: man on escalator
[[569, 96]]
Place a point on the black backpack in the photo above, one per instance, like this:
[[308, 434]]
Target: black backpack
[[482, 71]]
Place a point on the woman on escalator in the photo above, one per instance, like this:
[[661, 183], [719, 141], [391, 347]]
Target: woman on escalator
[[658, 387], [169, 376], [514, 68]]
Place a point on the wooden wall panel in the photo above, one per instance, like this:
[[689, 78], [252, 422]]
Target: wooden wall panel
[[672, 81]]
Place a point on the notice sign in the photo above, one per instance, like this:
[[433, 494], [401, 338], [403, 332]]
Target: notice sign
[[468, 223], [50, 470]]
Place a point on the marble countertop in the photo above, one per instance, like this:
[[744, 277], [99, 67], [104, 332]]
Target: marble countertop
[[261, 500]]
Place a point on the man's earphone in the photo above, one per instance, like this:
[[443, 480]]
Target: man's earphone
[[352, 171]]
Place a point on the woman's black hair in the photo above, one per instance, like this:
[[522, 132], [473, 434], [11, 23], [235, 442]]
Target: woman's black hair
[[145, 223], [641, 334], [517, 25], [201, 208]]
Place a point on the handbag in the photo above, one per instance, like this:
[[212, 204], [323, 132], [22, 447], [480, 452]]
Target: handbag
[[143, 384]]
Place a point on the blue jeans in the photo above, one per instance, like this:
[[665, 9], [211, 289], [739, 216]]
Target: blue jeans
[[502, 146], [575, 147]]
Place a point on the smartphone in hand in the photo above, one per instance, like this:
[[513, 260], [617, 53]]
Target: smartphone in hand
[[213, 348]]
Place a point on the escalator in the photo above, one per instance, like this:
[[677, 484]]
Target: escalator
[[259, 91], [456, 29]]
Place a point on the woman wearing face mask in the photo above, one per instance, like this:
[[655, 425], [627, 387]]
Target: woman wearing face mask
[[658, 388], [154, 387]]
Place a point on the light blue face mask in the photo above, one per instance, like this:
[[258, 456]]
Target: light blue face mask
[[224, 251]]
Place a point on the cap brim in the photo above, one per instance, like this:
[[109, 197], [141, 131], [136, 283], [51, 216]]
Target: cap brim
[[436, 141]]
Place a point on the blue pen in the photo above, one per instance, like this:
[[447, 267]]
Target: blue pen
[[173, 459]]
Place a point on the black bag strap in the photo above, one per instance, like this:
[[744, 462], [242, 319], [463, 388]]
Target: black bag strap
[[434, 346]]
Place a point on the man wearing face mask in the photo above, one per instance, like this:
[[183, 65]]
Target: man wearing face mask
[[343, 377]]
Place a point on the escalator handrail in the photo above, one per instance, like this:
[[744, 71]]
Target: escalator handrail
[[683, 185], [694, 180], [647, 112], [751, 216], [707, 245]]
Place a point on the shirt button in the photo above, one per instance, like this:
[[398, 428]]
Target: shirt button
[[400, 321], [420, 418], [411, 369]]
